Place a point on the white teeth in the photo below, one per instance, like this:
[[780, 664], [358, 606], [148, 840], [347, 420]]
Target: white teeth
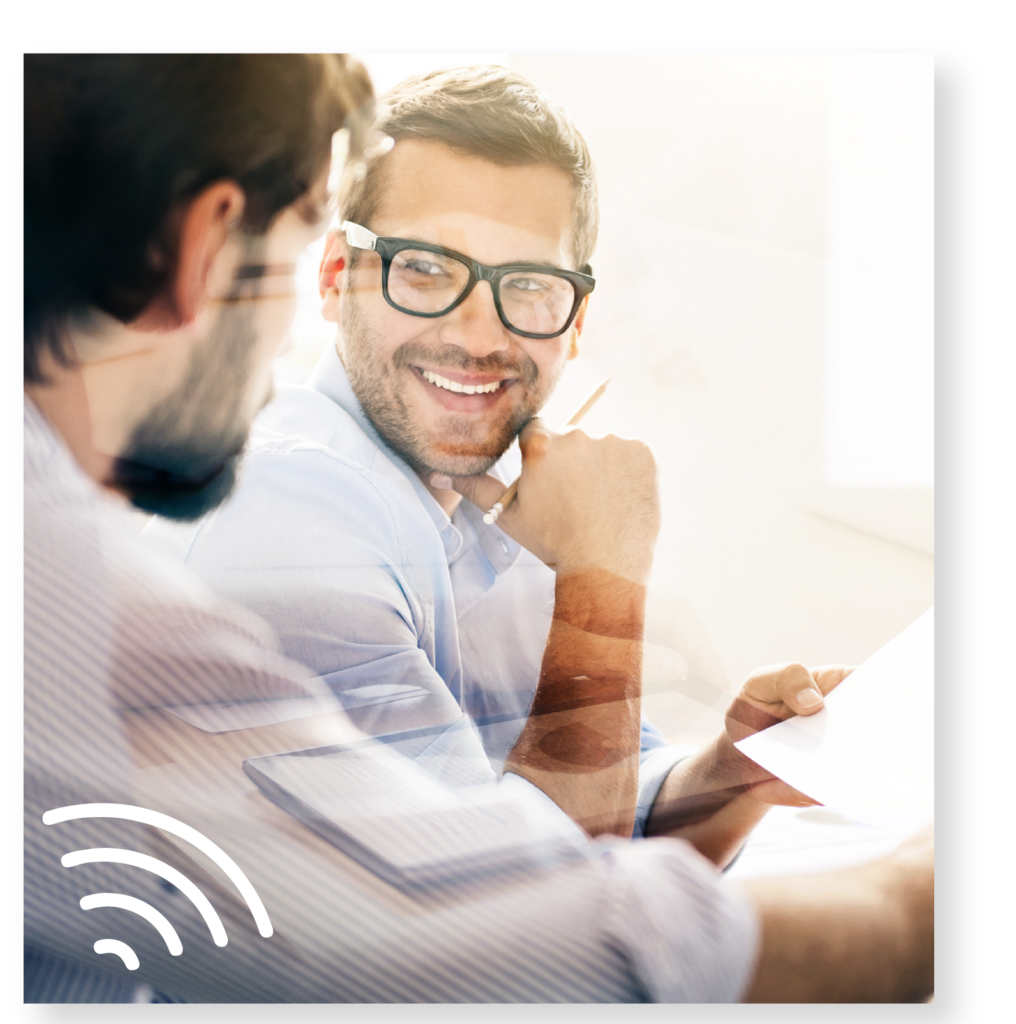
[[465, 389]]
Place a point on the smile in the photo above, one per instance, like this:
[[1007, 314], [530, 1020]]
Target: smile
[[464, 389]]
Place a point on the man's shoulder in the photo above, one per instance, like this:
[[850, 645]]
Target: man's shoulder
[[300, 419], [312, 481], [306, 450]]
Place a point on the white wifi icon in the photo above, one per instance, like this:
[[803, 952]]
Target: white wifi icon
[[128, 812]]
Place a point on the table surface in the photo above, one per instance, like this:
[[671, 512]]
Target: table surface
[[794, 840]]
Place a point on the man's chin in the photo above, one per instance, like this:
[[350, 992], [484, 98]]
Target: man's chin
[[174, 497], [464, 460]]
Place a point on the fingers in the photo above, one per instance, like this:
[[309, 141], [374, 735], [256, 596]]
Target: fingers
[[828, 677], [778, 793], [795, 798], [481, 490], [485, 489], [791, 685], [798, 690], [533, 440]]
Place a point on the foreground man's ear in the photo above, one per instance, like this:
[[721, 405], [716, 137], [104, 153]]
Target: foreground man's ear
[[203, 233], [204, 227]]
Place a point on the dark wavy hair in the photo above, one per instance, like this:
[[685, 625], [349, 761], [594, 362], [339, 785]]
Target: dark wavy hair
[[114, 144]]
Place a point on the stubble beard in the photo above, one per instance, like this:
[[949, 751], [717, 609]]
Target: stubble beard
[[451, 444], [182, 458]]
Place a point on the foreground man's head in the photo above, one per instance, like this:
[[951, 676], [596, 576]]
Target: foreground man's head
[[166, 201], [449, 366]]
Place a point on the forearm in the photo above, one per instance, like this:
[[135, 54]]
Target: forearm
[[707, 800], [580, 744], [863, 935]]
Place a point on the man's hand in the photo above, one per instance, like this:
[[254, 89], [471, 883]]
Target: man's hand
[[588, 508], [715, 798], [582, 502], [771, 695]]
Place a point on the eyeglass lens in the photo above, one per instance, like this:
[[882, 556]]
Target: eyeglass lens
[[428, 282]]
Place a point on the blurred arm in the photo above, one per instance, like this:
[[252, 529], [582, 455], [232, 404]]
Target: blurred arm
[[862, 935]]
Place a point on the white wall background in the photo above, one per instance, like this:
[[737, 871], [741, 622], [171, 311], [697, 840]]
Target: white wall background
[[764, 310], [880, 414]]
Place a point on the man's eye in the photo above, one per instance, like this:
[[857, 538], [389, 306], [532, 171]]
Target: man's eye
[[423, 268], [531, 285]]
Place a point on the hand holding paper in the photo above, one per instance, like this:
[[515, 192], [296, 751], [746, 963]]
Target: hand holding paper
[[772, 695], [870, 752], [865, 749], [716, 797]]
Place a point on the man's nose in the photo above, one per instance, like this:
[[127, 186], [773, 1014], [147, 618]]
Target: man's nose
[[474, 324]]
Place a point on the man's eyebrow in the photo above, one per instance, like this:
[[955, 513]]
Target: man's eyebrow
[[532, 263], [550, 265]]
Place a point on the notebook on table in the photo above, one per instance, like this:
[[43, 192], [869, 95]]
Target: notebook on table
[[381, 809]]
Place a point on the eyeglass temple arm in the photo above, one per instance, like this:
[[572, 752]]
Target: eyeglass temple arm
[[359, 237]]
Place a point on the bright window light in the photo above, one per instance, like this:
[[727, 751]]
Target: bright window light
[[880, 286]]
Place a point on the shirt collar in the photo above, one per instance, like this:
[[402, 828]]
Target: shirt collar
[[330, 378], [502, 552], [46, 453]]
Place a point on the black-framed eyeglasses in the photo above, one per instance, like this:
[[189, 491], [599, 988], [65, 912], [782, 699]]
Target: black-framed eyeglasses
[[426, 280]]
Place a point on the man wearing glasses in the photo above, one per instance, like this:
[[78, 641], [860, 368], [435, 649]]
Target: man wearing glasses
[[459, 282], [175, 193]]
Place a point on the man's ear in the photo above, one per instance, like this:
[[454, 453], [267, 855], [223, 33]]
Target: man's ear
[[333, 261], [576, 330], [204, 228]]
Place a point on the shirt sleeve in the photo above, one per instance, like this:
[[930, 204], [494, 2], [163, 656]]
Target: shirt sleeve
[[656, 760], [689, 936], [315, 544], [635, 921]]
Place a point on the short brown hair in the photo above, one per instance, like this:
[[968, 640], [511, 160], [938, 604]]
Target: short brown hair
[[114, 142], [489, 112]]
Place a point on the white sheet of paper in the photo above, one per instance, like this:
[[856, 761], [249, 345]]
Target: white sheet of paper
[[870, 752]]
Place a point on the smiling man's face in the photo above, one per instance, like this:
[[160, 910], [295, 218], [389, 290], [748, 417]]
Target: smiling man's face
[[449, 394]]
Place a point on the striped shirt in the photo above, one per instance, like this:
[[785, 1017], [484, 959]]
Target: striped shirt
[[114, 637], [441, 616]]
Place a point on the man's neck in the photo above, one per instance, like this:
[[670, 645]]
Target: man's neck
[[90, 401], [448, 500], [64, 404]]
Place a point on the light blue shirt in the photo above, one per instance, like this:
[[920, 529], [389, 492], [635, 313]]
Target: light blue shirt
[[119, 644], [416, 621]]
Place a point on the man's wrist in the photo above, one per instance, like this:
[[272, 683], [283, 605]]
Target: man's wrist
[[634, 567], [723, 765], [601, 602], [712, 784]]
